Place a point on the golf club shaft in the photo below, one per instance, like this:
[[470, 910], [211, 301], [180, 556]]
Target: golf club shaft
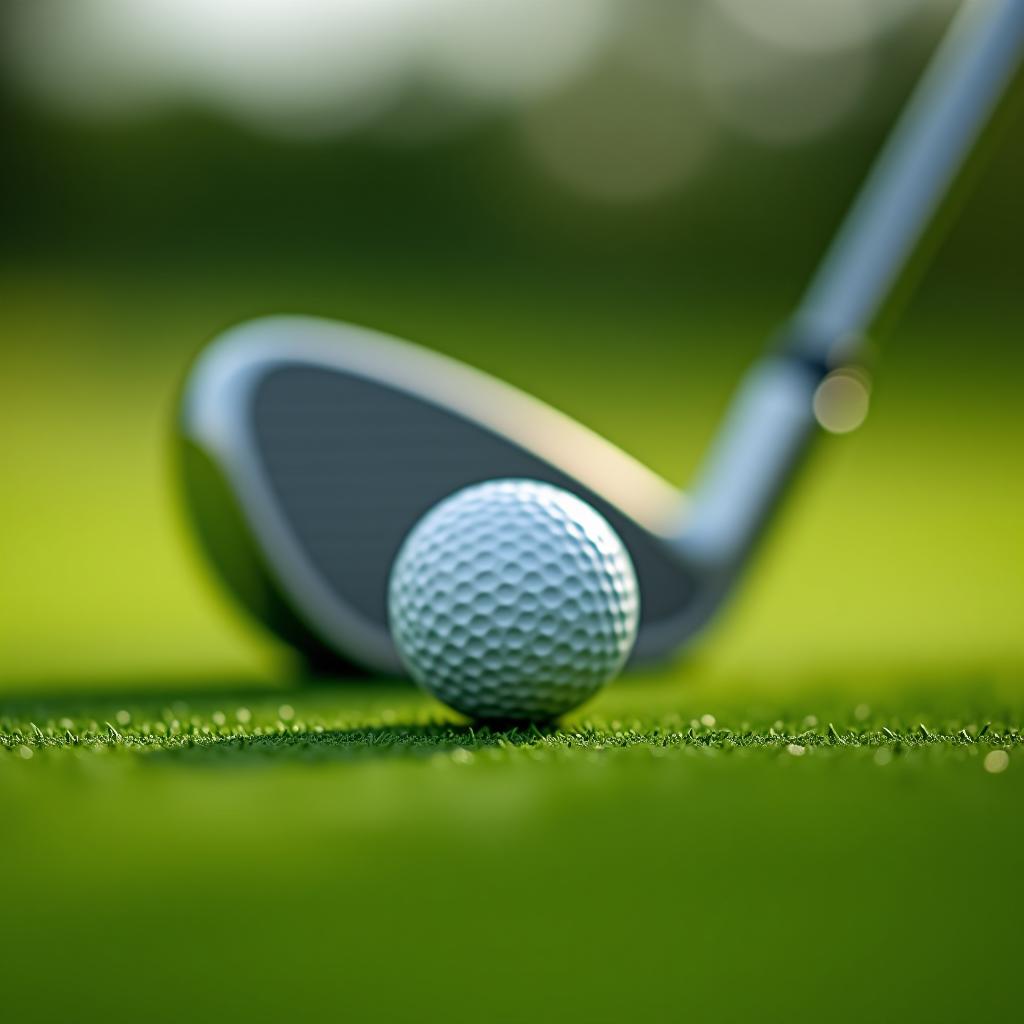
[[912, 175], [771, 420]]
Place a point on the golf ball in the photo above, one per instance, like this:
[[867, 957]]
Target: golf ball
[[513, 599]]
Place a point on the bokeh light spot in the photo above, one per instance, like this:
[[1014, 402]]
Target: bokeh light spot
[[842, 401], [619, 136]]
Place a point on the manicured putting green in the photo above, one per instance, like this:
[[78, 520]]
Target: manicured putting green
[[667, 853]]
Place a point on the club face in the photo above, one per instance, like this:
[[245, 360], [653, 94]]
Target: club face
[[311, 448]]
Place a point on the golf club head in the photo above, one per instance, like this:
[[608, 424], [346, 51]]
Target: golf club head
[[310, 448]]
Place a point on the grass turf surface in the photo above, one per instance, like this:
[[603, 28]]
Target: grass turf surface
[[817, 815], [353, 852], [274, 727]]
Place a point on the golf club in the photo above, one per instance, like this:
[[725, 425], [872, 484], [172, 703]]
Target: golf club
[[310, 448]]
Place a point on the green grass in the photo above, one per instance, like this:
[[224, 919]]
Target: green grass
[[666, 853], [817, 813], [273, 727]]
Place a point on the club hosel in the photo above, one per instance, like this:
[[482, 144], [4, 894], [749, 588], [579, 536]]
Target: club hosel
[[762, 441]]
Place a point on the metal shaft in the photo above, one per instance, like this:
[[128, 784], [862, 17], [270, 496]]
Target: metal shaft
[[913, 173], [771, 421]]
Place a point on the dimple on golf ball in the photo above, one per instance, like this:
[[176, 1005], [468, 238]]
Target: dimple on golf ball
[[513, 599]]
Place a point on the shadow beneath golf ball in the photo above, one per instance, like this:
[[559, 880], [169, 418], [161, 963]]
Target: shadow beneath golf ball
[[248, 723], [414, 741]]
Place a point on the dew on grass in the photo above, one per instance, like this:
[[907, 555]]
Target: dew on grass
[[796, 749], [244, 716], [861, 712], [123, 717], [286, 712], [708, 721], [883, 756], [996, 761]]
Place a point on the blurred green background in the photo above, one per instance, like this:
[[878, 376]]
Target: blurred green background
[[131, 236], [610, 205]]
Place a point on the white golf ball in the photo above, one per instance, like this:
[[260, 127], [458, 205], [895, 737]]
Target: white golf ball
[[513, 599]]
